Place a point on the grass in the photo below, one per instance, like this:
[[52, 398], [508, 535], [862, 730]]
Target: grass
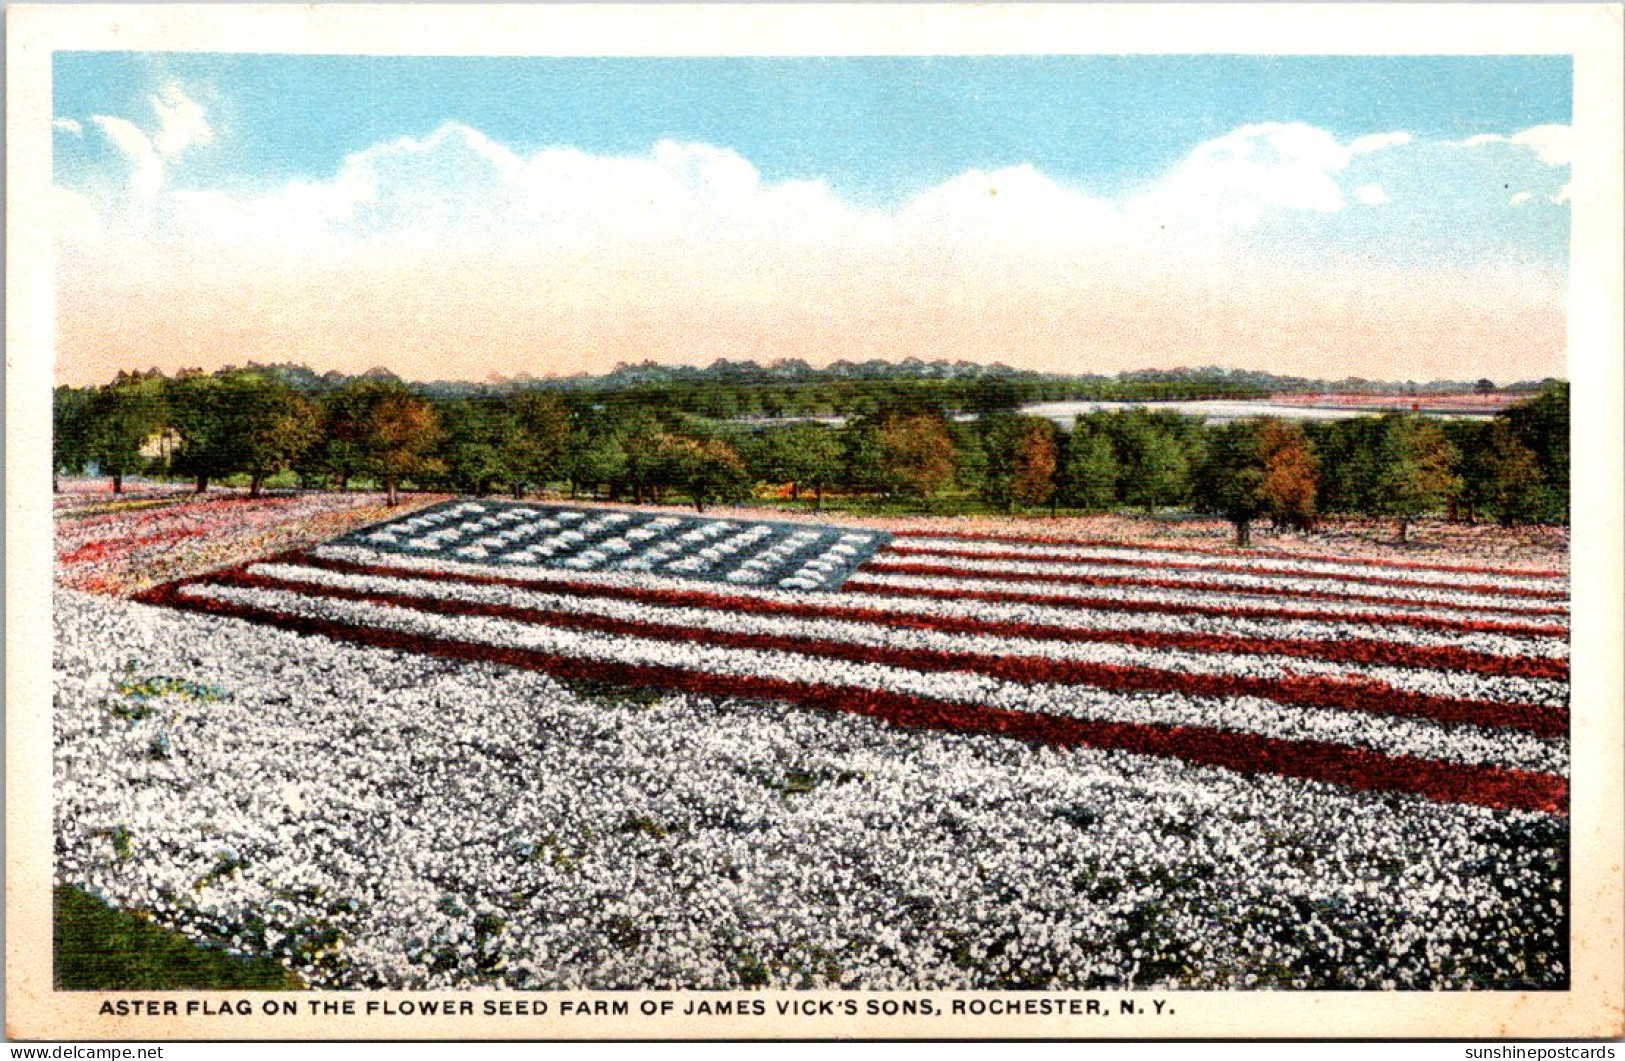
[[97, 948]]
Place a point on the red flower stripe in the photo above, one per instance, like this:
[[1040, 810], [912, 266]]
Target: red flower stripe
[[1347, 650], [1213, 550], [1186, 565], [1348, 694], [856, 584], [893, 567], [1243, 752], [103, 547]]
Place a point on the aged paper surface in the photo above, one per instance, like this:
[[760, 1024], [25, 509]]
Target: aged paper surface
[[45, 320]]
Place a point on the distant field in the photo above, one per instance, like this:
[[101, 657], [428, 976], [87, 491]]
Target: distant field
[[1291, 407], [539, 744], [1473, 404]]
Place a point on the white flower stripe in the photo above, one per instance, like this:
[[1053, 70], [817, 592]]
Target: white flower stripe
[[1351, 553], [1241, 714], [1430, 682], [1232, 582], [1238, 626], [1317, 623], [867, 578], [1257, 565]]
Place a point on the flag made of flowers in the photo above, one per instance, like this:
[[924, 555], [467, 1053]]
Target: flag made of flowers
[[1434, 680]]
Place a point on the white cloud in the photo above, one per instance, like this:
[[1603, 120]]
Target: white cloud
[[456, 187], [132, 197], [1562, 195], [145, 156], [1232, 183], [1552, 144], [1365, 145], [1015, 207], [1266, 192], [1519, 198], [1371, 195], [145, 172], [181, 121]]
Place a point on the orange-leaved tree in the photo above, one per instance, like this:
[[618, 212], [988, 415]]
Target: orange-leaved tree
[[1033, 480], [1291, 474], [399, 432], [1020, 455], [917, 452]]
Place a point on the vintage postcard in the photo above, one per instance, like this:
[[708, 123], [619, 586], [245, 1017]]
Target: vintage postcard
[[754, 521]]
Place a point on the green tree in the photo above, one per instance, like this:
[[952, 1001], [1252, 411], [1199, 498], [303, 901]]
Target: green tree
[[647, 464], [992, 395], [1157, 471], [265, 425], [1416, 475], [70, 431], [769, 456], [121, 417], [861, 465], [593, 458], [475, 444], [1229, 479], [706, 470], [536, 447], [1542, 425], [340, 453], [1470, 439], [773, 402], [239, 421], [198, 415], [1516, 489], [970, 456], [1155, 451], [998, 438], [805, 455], [1351, 461], [1091, 472], [719, 403]]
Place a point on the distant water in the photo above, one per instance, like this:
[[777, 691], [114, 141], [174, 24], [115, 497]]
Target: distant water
[[1217, 411], [1213, 411]]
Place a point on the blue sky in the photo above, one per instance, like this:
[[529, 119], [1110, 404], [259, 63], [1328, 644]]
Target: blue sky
[[1331, 216], [877, 129]]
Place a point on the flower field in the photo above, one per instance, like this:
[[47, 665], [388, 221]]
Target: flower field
[[110, 543], [544, 745]]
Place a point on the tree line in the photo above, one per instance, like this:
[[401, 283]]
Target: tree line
[[909, 449]]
